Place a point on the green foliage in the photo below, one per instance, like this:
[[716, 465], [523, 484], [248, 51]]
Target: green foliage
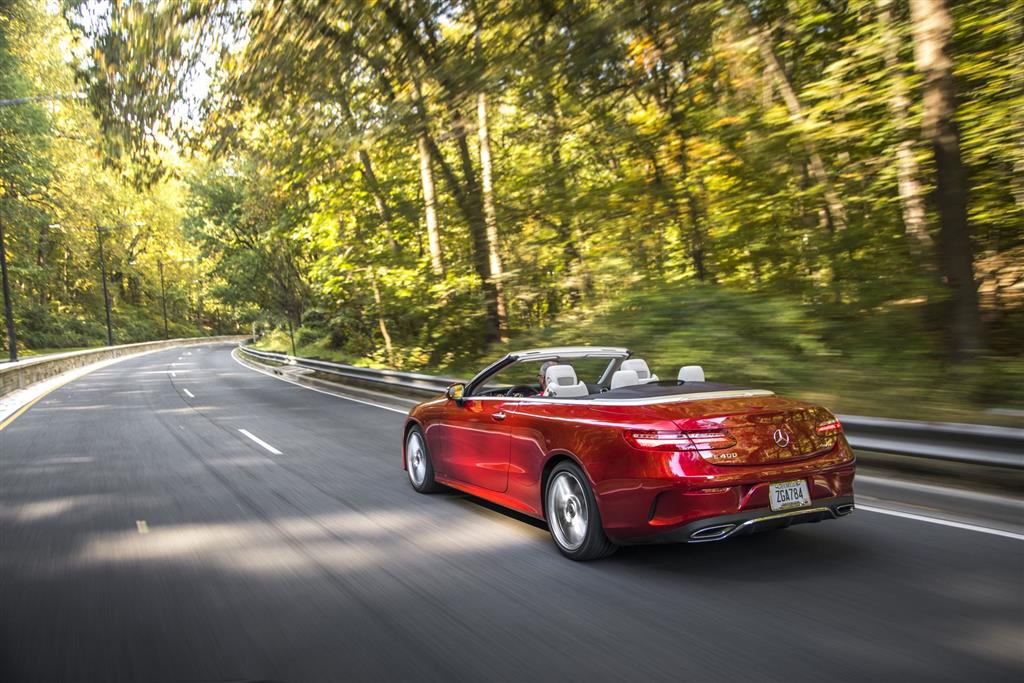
[[758, 340], [55, 189], [706, 181]]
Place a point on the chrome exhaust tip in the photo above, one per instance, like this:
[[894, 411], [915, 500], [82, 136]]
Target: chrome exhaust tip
[[712, 533], [845, 509]]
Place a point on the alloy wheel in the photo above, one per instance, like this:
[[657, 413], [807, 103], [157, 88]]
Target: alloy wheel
[[416, 458], [568, 513]]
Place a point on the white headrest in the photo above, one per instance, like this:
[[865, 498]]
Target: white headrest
[[691, 373], [624, 378], [561, 380], [560, 376], [639, 365]]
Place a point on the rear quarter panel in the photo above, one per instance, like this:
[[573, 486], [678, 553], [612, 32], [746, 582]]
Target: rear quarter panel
[[590, 436]]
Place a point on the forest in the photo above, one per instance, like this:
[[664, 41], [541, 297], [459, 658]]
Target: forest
[[823, 197]]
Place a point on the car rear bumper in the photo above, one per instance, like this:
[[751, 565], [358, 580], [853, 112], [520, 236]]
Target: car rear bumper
[[648, 510], [721, 527]]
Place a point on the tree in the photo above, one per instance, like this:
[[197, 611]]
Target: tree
[[933, 30], [438, 175]]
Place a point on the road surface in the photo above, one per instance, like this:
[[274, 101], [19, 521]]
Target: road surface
[[180, 517]]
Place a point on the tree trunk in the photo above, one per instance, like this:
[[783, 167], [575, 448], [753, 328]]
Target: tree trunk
[[467, 197], [472, 207], [490, 215], [380, 318], [933, 32], [40, 260], [430, 208], [668, 196], [696, 213], [467, 191], [560, 190], [1017, 85], [834, 205], [911, 198], [379, 198]]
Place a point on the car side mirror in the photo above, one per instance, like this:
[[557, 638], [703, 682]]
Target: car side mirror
[[454, 392]]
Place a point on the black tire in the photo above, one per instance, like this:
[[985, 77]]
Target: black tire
[[418, 464], [573, 518]]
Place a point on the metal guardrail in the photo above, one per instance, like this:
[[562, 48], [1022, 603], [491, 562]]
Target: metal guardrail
[[34, 369], [952, 441], [942, 441], [415, 383]]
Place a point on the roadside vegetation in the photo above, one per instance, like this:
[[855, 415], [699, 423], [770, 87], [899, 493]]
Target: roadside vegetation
[[760, 341], [59, 195], [823, 199]]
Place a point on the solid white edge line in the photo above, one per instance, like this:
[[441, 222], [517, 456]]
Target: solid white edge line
[[260, 442], [319, 391], [940, 490], [942, 522], [189, 393]]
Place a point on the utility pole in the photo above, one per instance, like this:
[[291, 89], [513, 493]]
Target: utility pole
[[103, 276], [12, 340], [163, 297]]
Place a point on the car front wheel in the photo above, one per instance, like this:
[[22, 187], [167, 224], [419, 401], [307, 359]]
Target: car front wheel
[[572, 515], [417, 463]]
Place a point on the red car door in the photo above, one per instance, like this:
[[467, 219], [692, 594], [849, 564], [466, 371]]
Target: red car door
[[477, 442]]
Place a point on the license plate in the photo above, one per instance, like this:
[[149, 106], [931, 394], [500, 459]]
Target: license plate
[[785, 495]]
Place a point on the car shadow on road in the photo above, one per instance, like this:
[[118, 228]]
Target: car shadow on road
[[783, 554], [794, 552]]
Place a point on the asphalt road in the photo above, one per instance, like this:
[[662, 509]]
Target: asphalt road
[[144, 537]]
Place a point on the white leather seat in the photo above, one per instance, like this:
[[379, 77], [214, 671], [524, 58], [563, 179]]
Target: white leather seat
[[624, 378], [639, 365], [561, 382], [691, 373]]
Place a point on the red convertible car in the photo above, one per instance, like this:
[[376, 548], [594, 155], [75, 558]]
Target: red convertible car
[[591, 441]]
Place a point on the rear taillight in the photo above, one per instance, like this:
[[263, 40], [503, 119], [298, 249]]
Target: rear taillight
[[680, 441], [832, 426]]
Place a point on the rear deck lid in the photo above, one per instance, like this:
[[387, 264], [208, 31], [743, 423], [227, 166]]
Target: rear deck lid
[[764, 436]]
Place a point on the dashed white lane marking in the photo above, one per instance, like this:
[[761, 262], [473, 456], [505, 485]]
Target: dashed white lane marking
[[261, 442], [944, 522], [173, 373], [319, 391], [189, 393], [141, 525]]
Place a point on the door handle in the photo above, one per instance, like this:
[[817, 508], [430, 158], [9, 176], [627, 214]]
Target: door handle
[[499, 416]]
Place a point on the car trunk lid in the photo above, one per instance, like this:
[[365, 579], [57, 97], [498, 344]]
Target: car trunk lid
[[766, 430], [771, 437]]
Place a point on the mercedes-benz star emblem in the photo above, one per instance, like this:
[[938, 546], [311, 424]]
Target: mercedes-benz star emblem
[[781, 437]]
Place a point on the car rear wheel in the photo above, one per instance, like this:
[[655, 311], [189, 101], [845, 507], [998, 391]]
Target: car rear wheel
[[573, 517], [417, 463]]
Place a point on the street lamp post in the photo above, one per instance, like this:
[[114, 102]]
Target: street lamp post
[[12, 340], [163, 298], [103, 277]]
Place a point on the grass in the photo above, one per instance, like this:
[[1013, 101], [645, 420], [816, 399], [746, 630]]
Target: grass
[[27, 353], [881, 364]]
